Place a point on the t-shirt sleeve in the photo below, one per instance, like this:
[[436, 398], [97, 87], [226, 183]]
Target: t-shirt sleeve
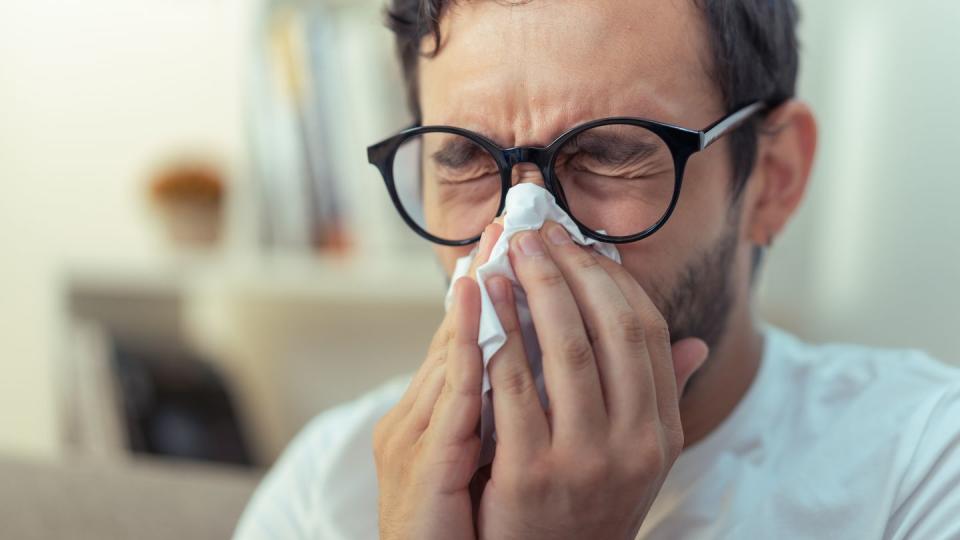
[[929, 499], [283, 506], [324, 485]]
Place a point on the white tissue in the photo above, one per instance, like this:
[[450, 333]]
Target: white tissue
[[528, 207]]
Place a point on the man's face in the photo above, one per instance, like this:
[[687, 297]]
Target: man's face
[[523, 74]]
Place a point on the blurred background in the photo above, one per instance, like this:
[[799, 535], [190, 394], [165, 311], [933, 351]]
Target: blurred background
[[195, 257]]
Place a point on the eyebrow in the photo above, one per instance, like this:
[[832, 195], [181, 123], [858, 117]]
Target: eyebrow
[[456, 152], [615, 148]]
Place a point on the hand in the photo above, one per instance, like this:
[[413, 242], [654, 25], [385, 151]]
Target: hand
[[593, 464], [426, 447]]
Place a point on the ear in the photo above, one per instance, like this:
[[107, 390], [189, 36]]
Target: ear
[[785, 152]]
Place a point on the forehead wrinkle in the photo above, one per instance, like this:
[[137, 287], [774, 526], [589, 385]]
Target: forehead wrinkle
[[498, 71], [546, 117]]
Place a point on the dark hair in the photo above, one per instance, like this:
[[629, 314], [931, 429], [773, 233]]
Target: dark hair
[[753, 42]]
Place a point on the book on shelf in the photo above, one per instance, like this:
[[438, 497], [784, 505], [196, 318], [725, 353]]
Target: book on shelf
[[325, 85]]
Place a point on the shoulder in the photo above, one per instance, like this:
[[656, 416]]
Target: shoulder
[[869, 434], [844, 374], [324, 485], [927, 502], [889, 418]]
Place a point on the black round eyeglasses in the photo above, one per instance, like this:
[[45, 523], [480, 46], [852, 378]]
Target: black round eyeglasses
[[618, 178]]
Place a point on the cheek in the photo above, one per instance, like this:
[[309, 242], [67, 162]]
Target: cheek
[[697, 223], [705, 197], [654, 263]]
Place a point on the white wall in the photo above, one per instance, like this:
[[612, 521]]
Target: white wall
[[91, 94], [874, 255]]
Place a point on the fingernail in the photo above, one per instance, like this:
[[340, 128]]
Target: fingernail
[[558, 235], [497, 287], [530, 244]]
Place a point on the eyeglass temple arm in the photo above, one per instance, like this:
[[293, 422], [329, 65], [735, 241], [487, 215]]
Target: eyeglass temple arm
[[728, 124]]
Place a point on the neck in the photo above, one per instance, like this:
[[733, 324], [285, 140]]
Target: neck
[[724, 378]]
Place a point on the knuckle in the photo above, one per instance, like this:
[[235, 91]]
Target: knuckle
[[534, 480], [583, 258], [639, 471], [651, 454], [652, 463], [454, 390], [461, 387], [659, 330], [548, 276], [591, 469], [630, 327], [576, 352], [674, 440], [658, 462], [514, 381]]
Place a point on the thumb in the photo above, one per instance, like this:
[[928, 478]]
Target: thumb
[[689, 354]]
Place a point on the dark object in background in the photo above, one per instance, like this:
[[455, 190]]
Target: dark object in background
[[177, 405]]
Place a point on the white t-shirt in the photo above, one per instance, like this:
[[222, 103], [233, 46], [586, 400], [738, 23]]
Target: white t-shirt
[[830, 441]]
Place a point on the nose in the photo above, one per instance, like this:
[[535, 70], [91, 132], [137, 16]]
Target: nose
[[527, 172], [526, 164], [523, 172]]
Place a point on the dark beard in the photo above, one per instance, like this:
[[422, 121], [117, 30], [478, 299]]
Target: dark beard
[[699, 304]]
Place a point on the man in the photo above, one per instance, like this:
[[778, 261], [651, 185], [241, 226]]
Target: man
[[641, 359]]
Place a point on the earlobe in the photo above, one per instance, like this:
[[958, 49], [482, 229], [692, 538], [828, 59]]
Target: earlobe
[[785, 153]]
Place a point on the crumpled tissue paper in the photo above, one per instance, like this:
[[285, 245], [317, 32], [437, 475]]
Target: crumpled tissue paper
[[528, 207]]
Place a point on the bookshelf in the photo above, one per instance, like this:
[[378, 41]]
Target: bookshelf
[[295, 324]]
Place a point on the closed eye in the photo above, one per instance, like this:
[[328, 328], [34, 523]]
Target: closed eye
[[623, 151], [467, 180]]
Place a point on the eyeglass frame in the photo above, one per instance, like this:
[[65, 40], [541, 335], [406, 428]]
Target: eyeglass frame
[[682, 142]]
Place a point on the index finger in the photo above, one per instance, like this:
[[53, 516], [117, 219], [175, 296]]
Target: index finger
[[487, 240], [437, 350], [569, 365], [658, 342]]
